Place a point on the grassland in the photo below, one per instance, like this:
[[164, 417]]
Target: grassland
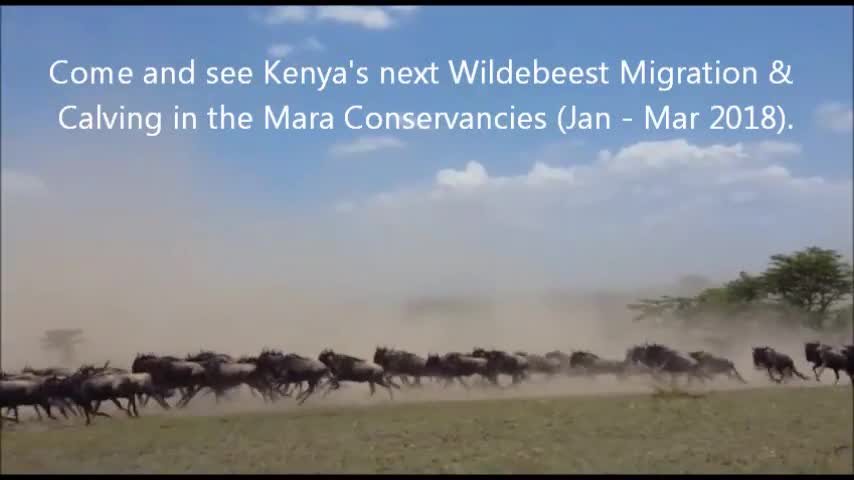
[[774, 430]]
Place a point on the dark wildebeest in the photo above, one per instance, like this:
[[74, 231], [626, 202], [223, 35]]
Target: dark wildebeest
[[825, 356], [222, 374], [500, 362], [90, 384], [171, 373], [541, 364], [591, 364], [46, 372], [401, 363], [456, 365], [563, 359], [346, 368], [714, 365], [28, 391], [766, 358], [661, 359], [295, 369]]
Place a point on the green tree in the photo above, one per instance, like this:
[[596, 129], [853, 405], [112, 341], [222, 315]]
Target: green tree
[[811, 280]]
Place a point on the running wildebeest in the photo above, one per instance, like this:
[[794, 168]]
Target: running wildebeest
[[825, 356], [171, 373], [714, 365], [591, 364], [28, 391], [455, 366], [541, 364], [500, 362], [563, 359], [346, 368], [295, 369], [661, 359], [92, 385], [766, 358], [400, 363], [222, 374]]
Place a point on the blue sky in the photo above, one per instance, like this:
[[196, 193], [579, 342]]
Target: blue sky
[[592, 190]]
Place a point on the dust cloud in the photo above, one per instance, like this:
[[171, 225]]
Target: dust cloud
[[149, 246]]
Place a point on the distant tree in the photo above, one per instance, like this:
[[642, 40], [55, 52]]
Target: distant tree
[[64, 342], [812, 280], [803, 287]]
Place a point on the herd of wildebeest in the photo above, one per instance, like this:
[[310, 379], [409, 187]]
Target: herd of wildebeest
[[274, 375]]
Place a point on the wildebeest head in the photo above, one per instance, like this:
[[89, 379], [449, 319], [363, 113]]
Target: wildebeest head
[[432, 360], [581, 358], [811, 351], [327, 357], [760, 356], [380, 355]]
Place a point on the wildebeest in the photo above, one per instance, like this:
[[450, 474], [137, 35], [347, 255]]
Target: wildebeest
[[92, 385], [171, 373], [563, 359], [28, 391], [825, 356], [346, 368], [662, 359], [222, 374], [400, 363], [766, 358], [295, 369], [714, 365], [500, 362], [455, 366], [591, 364], [541, 364]]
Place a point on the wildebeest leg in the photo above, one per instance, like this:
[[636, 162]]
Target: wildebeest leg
[[118, 404], [386, 382], [373, 388], [815, 372], [772, 376], [836, 372], [189, 394], [734, 373], [303, 396], [38, 412], [132, 408], [46, 406], [821, 368], [463, 383]]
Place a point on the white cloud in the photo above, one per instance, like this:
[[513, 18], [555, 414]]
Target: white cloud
[[666, 155], [406, 9], [313, 44], [474, 175], [368, 17], [280, 50], [835, 117], [13, 183], [366, 144], [773, 148], [288, 14], [659, 171]]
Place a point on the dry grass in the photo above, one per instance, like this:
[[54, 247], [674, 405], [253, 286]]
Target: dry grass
[[774, 430]]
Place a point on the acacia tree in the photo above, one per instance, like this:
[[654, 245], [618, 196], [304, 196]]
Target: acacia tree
[[805, 284], [63, 341], [811, 280]]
